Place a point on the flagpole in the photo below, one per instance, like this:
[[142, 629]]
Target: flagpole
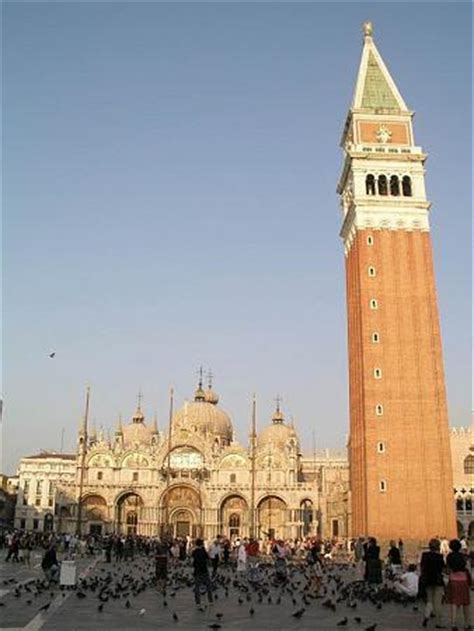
[[82, 463], [253, 437]]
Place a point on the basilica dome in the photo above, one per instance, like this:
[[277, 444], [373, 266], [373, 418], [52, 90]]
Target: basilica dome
[[278, 434], [137, 431], [204, 417]]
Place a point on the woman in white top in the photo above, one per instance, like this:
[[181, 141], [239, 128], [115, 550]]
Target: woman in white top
[[241, 558]]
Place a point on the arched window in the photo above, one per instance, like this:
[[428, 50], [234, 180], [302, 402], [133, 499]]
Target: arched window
[[234, 524], [469, 465], [233, 478], [383, 185], [394, 186], [306, 515], [234, 520], [469, 503], [132, 518], [459, 504], [370, 185], [406, 186]]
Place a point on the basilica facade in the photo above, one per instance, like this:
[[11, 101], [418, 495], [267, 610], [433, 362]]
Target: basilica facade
[[195, 479]]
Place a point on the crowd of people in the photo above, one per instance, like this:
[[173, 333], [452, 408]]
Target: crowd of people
[[443, 572]]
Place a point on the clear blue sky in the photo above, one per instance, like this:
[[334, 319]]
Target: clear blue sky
[[169, 200]]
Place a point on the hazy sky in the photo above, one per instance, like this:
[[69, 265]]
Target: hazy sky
[[169, 189]]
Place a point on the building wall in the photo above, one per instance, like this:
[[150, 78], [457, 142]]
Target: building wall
[[38, 480], [462, 448]]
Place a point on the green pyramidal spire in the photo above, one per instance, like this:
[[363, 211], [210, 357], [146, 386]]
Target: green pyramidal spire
[[377, 93], [375, 88]]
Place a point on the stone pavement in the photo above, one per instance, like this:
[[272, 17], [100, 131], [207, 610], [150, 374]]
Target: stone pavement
[[136, 609]]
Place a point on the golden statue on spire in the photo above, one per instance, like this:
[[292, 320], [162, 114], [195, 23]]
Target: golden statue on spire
[[368, 29]]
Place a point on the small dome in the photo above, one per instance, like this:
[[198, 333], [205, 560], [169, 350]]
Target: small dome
[[278, 434], [211, 397], [204, 417], [136, 433]]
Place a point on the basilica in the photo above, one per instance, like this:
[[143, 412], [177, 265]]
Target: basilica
[[194, 479]]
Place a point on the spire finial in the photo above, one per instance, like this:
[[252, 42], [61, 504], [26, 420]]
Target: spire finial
[[277, 415], [200, 395], [139, 400], [210, 377], [368, 28]]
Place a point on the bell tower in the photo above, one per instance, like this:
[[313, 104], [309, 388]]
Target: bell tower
[[399, 450]]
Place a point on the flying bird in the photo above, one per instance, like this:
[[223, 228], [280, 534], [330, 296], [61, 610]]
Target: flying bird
[[51, 355]]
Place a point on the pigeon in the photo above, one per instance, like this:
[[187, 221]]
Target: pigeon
[[81, 595], [219, 615], [127, 604], [175, 616], [215, 626], [372, 627], [251, 611], [358, 619], [100, 607], [342, 623], [142, 612], [298, 613]]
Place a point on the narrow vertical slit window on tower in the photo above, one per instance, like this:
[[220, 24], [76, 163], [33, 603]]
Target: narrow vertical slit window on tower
[[378, 373], [372, 272], [382, 486], [374, 304], [379, 409], [375, 338], [381, 448], [370, 240]]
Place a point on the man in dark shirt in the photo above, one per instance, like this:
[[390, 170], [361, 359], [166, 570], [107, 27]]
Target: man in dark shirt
[[394, 557], [201, 573], [431, 582]]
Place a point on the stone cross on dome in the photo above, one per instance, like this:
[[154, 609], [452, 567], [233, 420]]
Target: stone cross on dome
[[199, 395], [138, 417]]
